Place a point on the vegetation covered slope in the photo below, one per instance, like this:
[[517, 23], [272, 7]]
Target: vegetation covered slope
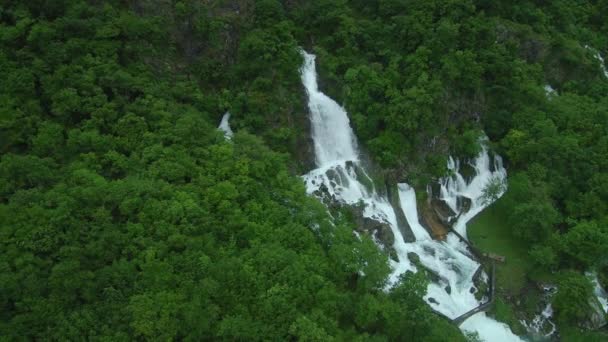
[[124, 213], [420, 79]]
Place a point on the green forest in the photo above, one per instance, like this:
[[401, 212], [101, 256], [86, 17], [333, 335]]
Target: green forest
[[125, 214]]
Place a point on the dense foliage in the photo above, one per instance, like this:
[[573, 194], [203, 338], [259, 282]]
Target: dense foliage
[[126, 215]]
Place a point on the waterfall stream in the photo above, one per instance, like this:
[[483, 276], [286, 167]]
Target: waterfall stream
[[341, 177], [225, 126]]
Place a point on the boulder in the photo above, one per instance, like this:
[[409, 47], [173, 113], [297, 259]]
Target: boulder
[[379, 230], [467, 171], [432, 223], [404, 227], [463, 204], [414, 258], [443, 211], [596, 317]]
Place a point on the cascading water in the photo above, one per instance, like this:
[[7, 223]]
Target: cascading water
[[598, 290], [455, 188], [341, 178], [225, 126], [600, 59]]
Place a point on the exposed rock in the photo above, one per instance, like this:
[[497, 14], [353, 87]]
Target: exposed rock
[[431, 222], [362, 177], [443, 211], [463, 204], [433, 300], [435, 189], [414, 258], [477, 274], [404, 227], [432, 275], [448, 289], [334, 176], [467, 171], [596, 317], [380, 231], [480, 280]]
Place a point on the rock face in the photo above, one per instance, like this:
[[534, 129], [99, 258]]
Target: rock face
[[432, 222], [404, 227], [445, 214], [463, 203], [467, 171], [378, 230], [596, 317]]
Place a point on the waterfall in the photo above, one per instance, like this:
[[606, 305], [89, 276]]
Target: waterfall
[[331, 132], [456, 188], [340, 177], [225, 126], [598, 290], [599, 58]]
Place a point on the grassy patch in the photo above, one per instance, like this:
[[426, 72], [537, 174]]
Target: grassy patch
[[490, 232], [578, 335], [504, 313]]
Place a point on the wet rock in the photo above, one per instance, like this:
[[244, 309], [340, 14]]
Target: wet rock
[[414, 258], [431, 275], [463, 204], [433, 300], [467, 171], [379, 230], [404, 227], [364, 178], [392, 254], [431, 222], [429, 250], [349, 164], [334, 176], [443, 211], [596, 317], [435, 189], [477, 275], [448, 289]]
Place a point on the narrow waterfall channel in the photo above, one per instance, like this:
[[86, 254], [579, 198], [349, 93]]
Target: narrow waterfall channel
[[340, 176], [225, 126]]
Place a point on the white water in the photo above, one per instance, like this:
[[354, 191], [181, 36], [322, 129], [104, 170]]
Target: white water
[[599, 58], [598, 290], [455, 187], [549, 91], [602, 63], [338, 176], [225, 126], [540, 322]]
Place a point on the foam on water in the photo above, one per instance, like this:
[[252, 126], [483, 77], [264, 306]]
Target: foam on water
[[341, 177]]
